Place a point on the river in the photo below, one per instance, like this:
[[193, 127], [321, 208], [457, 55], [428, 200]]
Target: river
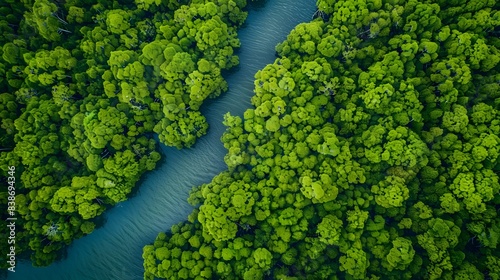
[[114, 251]]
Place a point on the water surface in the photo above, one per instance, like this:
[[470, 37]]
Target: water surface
[[114, 251]]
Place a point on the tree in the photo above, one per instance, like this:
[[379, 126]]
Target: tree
[[401, 254], [63, 200], [262, 258], [45, 20], [117, 21], [354, 263], [391, 192], [330, 230]]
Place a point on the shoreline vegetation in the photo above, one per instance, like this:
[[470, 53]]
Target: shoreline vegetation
[[85, 86], [371, 152]]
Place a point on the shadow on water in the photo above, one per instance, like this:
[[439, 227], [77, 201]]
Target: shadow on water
[[256, 4], [114, 250]]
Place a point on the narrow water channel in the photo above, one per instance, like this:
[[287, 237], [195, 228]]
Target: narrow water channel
[[114, 251]]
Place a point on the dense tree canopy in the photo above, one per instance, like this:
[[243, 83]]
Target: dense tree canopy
[[371, 152], [84, 88]]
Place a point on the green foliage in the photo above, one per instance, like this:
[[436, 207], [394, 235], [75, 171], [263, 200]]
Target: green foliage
[[401, 254], [371, 150], [43, 17], [84, 85], [117, 21], [354, 263], [391, 192], [330, 230]]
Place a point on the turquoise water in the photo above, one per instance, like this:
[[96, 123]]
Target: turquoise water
[[114, 251]]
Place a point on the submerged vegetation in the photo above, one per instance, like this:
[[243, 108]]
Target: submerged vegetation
[[371, 152], [84, 87]]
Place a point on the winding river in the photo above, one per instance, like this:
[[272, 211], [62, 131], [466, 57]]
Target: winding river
[[114, 251]]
